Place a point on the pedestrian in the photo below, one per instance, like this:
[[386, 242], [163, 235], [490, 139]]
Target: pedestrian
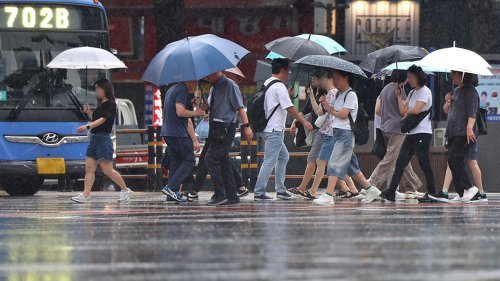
[[348, 190], [391, 107], [418, 139], [277, 99], [314, 92], [461, 132], [343, 161], [226, 103], [100, 149], [178, 133]]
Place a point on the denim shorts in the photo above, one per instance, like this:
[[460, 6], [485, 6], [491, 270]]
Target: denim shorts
[[326, 148], [100, 147], [343, 161], [471, 152]]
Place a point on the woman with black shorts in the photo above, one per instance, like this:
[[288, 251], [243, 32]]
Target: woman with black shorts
[[100, 149]]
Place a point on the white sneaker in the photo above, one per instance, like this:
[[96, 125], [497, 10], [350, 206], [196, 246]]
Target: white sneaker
[[414, 194], [371, 194], [400, 196], [80, 198], [469, 193], [125, 195], [324, 199], [360, 196], [457, 199], [363, 192]]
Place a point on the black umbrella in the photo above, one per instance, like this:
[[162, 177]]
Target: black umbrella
[[331, 63], [294, 48], [375, 61]]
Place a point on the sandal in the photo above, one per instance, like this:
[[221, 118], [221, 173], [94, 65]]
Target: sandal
[[295, 190], [340, 194], [308, 195], [350, 195]]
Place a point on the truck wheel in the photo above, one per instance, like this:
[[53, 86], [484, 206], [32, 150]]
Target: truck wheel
[[22, 186]]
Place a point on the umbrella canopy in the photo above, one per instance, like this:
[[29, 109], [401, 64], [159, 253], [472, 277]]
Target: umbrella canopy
[[294, 48], [331, 46], [193, 58], [236, 71], [457, 59], [86, 58], [375, 61], [331, 63], [407, 64]]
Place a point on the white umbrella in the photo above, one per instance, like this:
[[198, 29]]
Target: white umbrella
[[457, 59], [86, 58]]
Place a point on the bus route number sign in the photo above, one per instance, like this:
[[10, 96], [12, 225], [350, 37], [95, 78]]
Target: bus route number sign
[[35, 17]]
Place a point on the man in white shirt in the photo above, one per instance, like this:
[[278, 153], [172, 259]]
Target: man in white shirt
[[276, 153]]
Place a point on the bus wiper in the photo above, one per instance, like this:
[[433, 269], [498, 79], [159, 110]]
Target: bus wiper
[[78, 104], [22, 104]]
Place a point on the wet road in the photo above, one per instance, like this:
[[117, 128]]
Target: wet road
[[46, 237]]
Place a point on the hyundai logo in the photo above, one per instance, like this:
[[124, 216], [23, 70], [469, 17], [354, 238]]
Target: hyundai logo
[[50, 138]]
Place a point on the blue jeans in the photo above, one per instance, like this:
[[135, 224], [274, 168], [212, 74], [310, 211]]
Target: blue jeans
[[182, 161], [275, 157], [343, 161]]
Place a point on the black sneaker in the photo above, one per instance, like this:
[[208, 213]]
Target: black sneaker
[[214, 201], [227, 203], [340, 193], [284, 196], [425, 199], [242, 191], [385, 195], [193, 194], [441, 196], [479, 198]]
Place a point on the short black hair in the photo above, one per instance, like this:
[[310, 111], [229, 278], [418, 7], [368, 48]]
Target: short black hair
[[419, 73], [106, 85], [320, 74], [484, 94], [399, 75], [350, 76], [469, 78], [278, 64]]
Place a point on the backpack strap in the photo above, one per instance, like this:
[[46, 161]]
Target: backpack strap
[[264, 94], [351, 120]]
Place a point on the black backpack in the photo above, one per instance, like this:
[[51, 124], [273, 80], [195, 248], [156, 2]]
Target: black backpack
[[258, 113], [360, 127]]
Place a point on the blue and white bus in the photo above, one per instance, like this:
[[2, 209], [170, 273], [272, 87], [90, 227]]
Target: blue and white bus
[[40, 108]]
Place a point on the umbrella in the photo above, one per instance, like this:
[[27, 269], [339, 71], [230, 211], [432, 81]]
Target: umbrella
[[457, 59], [375, 61], [331, 46], [331, 63], [407, 64], [193, 58], [86, 58], [236, 71], [294, 48]]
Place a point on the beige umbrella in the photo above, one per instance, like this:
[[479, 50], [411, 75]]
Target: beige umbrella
[[236, 71]]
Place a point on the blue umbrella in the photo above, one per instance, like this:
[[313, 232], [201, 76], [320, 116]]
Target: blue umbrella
[[193, 58], [324, 41]]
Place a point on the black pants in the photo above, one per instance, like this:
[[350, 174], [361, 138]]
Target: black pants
[[456, 160], [418, 144], [219, 166], [202, 172]]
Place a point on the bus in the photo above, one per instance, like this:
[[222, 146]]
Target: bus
[[40, 108]]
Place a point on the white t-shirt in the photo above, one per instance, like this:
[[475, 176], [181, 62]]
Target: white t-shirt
[[276, 94], [351, 102], [423, 94]]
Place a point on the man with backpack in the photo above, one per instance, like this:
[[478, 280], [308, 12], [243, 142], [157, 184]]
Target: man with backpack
[[274, 102]]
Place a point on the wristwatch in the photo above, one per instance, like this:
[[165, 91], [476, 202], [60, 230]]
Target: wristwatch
[[88, 127], [246, 125]]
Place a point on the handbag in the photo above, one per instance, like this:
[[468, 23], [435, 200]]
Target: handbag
[[481, 120], [411, 121], [379, 146], [320, 121], [300, 136], [309, 133], [202, 129], [218, 129]]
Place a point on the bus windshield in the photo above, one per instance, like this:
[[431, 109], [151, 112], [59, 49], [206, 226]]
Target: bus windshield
[[25, 79]]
